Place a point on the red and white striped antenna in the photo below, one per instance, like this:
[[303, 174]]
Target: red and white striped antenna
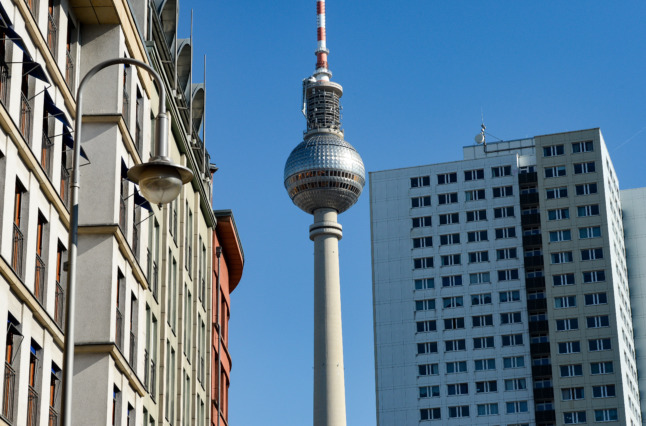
[[322, 72]]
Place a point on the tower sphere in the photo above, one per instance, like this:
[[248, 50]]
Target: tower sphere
[[324, 171]]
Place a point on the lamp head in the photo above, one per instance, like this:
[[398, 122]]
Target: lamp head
[[160, 180]]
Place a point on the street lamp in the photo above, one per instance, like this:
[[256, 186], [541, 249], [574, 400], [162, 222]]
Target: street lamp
[[160, 182]]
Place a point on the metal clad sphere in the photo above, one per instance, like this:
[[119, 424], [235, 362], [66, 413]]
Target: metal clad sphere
[[324, 171]]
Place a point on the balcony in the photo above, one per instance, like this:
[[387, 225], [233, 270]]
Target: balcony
[[118, 335], [533, 261], [530, 219], [535, 283], [39, 280], [532, 240], [528, 199], [537, 304], [133, 349], [69, 70], [541, 370], [16, 253], [538, 326], [525, 178], [59, 305], [123, 215], [546, 416], [65, 184], [32, 407], [52, 33], [25, 117], [540, 348], [543, 393], [46, 155], [7, 399], [53, 417]]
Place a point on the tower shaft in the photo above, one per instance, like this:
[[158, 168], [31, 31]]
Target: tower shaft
[[329, 381]]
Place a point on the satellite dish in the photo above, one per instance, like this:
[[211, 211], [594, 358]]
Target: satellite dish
[[480, 138]]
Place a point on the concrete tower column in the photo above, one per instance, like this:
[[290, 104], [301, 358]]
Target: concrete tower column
[[329, 382]]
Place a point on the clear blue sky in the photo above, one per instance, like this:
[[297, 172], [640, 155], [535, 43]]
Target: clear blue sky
[[417, 75]]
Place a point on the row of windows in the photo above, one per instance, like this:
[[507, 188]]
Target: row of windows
[[484, 342], [476, 321], [470, 216], [452, 177], [577, 417], [594, 345], [578, 168], [472, 236], [567, 257], [597, 321], [585, 233], [562, 191], [471, 195], [479, 257], [461, 411], [513, 362], [577, 147]]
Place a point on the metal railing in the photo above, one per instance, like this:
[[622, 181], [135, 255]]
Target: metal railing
[[201, 375], [135, 237], [8, 395], [118, 335], [4, 81], [16, 255], [155, 281], [65, 184], [153, 383], [146, 369], [133, 349], [189, 260], [122, 214], [46, 155], [25, 116], [53, 417], [39, 280], [59, 305], [32, 407], [69, 70], [203, 291], [52, 30], [125, 107]]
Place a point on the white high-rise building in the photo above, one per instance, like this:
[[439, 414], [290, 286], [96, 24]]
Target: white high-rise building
[[500, 288]]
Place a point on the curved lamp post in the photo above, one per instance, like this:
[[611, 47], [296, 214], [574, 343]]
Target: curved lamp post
[[160, 182]]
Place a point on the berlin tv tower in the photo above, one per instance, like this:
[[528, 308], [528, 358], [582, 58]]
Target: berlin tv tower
[[324, 176]]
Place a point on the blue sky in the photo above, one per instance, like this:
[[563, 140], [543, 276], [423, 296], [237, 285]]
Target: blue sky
[[417, 75]]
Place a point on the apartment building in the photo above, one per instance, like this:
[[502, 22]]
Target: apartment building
[[500, 288], [144, 281]]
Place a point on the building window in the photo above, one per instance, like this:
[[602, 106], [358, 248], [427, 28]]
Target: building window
[[459, 411], [419, 222], [422, 242], [481, 299], [508, 275], [597, 368], [39, 274], [18, 238], [449, 239], [429, 392], [501, 171], [586, 189], [490, 409], [598, 321], [426, 326], [573, 347], [589, 232], [420, 201], [580, 168], [476, 174], [513, 362], [509, 296], [558, 214], [427, 348], [607, 415], [564, 302], [574, 417], [571, 370], [457, 389], [52, 27], [561, 235], [428, 369], [483, 342], [425, 305], [510, 318], [487, 386], [553, 150], [33, 407], [453, 302], [453, 323], [559, 192], [570, 394], [515, 384], [476, 215], [594, 276], [512, 340], [595, 345], [592, 254], [555, 171], [509, 232], [567, 324], [478, 256], [424, 283], [417, 182], [590, 210], [423, 263], [503, 191], [451, 259], [500, 212], [474, 194], [480, 278], [430, 414], [482, 320], [456, 367], [561, 257], [449, 218], [475, 236], [452, 281], [563, 279], [447, 178], [508, 253], [449, 198], [517, 407], [485, 364], [585, 146], [596, 299]]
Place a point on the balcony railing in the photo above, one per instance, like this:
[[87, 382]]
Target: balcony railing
[[155, 280], [122, 214], [146, 369], [153, 381], [32, 407], [52, 32], [25, 116], [133, 349], [59, 305], [201, 376], [118, 336], [46, 155], [39, 280], [69, 70], [125, 107], [4, 82], [135, 238], [53, 417], [16, 255], [203, 291], [65, 184], [8, 395], [189, 260]]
